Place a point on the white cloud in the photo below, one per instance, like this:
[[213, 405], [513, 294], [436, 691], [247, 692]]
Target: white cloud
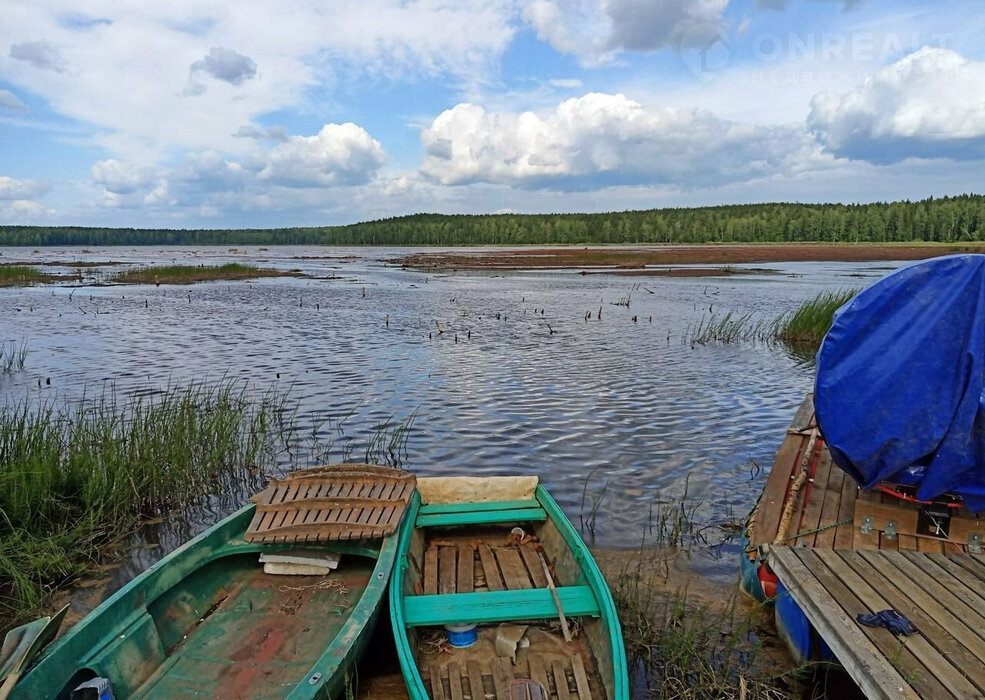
[[601, 140], [13, 189], [128, 73], [39, 54], [596, 30], [9, 101], [927, 105], [339, 154], [20, 210]]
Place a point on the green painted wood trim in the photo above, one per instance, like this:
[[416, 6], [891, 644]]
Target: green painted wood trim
[[439, 508], [498, 606], [596, 581], [416, 690], [515, 515]]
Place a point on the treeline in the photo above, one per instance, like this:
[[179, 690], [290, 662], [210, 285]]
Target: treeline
[[947, 219]]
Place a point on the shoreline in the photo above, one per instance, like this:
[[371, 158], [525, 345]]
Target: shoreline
[[629, 260]]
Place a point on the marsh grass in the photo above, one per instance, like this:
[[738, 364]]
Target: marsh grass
[[12, 356], [801, 330], [809, 323], [24, 275], [79, 475], [189, 274], [682, 648]]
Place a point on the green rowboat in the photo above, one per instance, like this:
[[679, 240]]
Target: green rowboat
[[208, 621], [499, 553]]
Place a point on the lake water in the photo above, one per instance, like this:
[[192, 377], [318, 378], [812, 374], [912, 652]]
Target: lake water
[[609, 407]]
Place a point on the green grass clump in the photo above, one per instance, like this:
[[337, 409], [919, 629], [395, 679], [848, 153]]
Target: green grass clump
[[79, 475], [679, 648], [809, 323], [23, 275], [189, 274], [12, 356]]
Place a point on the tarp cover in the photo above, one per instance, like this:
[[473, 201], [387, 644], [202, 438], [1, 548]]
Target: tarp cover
[[900, 375]]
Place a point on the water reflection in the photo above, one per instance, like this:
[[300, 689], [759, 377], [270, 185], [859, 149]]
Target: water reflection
[[505, 373]]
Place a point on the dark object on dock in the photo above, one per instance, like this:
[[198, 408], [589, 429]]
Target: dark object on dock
[[890, 619]]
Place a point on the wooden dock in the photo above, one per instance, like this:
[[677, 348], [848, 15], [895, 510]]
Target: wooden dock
[[841, 552], [943, 596]]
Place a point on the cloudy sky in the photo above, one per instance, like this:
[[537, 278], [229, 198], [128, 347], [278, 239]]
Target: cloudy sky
[[216, 113]]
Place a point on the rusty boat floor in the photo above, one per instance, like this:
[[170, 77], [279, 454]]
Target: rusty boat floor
[[840, 552], [263, 635]]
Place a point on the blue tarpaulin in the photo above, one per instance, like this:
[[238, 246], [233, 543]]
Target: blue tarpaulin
[[900, 376]]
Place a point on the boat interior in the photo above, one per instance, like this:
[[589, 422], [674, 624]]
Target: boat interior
[[469, 564]]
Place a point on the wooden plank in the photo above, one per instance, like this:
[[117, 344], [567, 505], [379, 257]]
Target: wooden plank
[[455, 681], [860, 540], [829, 506], [969, 595], [968, 562], [770, 504], [502, 672], [493, 579], [581, 678], [907, 542], [498, 606], [845, 534], [815, 499], [963, 526], [437, 689], [516, 515], [539, 673], [440, 508], [475, 680], [560, 681], [864, 662], [948, 678], [534, 566], [927, 617], [447, 569], [466, 568], [929, 545], [514, 572], [431, 570], [973, 583], [932, 605]]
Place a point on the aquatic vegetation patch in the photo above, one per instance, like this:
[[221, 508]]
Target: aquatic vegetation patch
[[25, 275], [79, 475], [12, 356], [809, 323], [189, 274], [679, 646]]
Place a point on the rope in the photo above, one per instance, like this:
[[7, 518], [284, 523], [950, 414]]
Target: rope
[[846, 521]]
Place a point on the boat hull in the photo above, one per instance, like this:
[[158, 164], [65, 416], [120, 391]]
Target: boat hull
[[411, 608], [206, 621]]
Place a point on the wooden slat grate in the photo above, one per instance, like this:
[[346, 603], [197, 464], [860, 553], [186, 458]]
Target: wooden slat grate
[[563, 679], [330, 503]]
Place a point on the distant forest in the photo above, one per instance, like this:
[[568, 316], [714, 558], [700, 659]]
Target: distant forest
[[948, 219]]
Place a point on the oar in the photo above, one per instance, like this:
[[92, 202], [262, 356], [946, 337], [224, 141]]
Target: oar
[[557, 599], [22, 644]]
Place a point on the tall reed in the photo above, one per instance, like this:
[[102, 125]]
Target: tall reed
[[76, 475], [809, 323]]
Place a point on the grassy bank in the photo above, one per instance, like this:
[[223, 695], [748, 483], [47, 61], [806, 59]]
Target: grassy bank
[[189, 274], [24, 275], [79, 475]]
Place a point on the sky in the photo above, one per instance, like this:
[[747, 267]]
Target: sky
[[215, 114]]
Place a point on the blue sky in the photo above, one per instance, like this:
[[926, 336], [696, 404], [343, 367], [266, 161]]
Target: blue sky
[[209, 113]]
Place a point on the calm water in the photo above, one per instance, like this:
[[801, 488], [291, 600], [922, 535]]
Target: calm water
[[611, 404]]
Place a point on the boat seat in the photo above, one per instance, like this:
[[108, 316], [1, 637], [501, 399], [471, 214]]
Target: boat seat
[[446, 514], [498, 606]]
